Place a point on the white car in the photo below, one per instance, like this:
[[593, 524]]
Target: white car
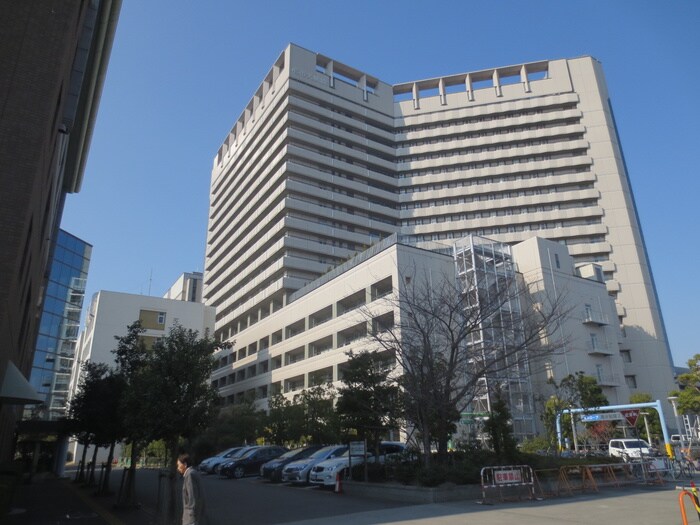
[[629, 448], [325, 472], [298, 471]]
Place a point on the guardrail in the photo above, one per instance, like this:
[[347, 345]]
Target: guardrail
[[507, 477], [590, 477]]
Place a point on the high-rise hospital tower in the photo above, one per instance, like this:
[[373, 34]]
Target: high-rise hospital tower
[[326, 160]]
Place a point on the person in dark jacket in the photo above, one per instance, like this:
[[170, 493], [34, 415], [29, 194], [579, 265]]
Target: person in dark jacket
[[193, 508]]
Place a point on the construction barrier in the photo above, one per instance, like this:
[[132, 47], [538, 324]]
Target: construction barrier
[[338, 484], [508, 480], [589, 478], [692, 493]]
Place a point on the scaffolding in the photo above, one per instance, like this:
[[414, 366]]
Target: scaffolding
[[486, 275]]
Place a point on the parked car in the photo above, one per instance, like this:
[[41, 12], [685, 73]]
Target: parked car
[[325, 472], [298, 471], [207, 466], [251, 461], [272, 470], [629, 448]]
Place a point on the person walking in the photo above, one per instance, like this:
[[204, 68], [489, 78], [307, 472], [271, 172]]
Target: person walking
[[193, 507]]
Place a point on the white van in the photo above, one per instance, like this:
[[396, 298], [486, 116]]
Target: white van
[[628, 448]]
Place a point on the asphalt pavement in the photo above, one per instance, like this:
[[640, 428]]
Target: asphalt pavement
[[632, 505], [51, 501]]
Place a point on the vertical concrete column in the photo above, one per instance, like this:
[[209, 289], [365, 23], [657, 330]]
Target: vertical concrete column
[[416, 96], [497, 83], [329, 72], [441, 90], [468, 86], [524, 79], [362, 84]]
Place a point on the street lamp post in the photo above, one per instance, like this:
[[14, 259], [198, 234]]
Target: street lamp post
[[673, 400]]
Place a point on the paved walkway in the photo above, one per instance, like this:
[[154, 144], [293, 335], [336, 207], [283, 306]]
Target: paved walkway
[[633, 505], [51, 501]]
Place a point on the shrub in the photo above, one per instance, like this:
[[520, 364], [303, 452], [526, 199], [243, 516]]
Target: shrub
[[432, 476], [535, 445]]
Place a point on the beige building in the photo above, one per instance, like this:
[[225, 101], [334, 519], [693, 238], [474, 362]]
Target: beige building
[[590, 330], [326, 160], [188, 287], [110, 314]]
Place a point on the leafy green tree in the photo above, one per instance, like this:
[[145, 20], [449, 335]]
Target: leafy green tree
[[320, 422], [689, 395], [131, 357], [240, 423], [499, 428], [652, 417], [178, 399], [95, 411], [369, 401], [553, 406], [582, 391], [285, 421], [573, 391]]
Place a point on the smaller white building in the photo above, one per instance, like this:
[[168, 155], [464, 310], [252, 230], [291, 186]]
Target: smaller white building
[[111, 313], [590, 329]]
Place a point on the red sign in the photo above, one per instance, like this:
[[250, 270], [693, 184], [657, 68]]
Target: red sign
[[504, 477], [630, 415]]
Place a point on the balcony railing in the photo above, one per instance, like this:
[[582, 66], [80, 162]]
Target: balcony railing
[[595, 318]]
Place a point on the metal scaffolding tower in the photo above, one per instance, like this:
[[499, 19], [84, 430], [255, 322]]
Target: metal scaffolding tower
[[486, 273]]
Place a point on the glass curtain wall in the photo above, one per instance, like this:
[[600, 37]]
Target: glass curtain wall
[[60, 326]]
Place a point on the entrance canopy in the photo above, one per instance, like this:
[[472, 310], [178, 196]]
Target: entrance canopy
[[16, 390]]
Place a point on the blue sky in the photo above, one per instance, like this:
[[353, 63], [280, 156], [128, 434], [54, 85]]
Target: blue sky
[[181, 73]]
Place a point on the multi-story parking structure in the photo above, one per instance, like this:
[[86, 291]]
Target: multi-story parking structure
[[326, 160]]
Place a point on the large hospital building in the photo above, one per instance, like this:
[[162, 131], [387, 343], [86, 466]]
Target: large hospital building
[[325, 161]]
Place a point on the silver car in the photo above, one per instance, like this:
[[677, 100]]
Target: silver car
[[298, 471], [210, 465]]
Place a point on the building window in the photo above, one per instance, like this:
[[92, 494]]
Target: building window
[[556, 260], [631, 381], [594, 341], [626, 356], [599, 373], [549, 370], [152, 319]]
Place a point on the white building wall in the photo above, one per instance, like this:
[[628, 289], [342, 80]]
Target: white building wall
[[547, 266], [109, 316]]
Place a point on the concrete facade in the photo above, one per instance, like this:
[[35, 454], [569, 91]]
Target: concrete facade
[[326, 160], [188, 287], [53, 60]]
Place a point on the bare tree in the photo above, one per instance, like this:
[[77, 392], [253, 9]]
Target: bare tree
[[453, 338]]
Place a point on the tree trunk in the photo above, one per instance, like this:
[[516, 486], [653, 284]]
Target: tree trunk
[[171, 509], [91, 467], [81, 470], [127, 493], [425, 435], [104, 490]]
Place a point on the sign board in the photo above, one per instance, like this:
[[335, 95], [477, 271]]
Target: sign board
[[504, 477], [357, 448], [630, 415], [603, 416], [470, 417]]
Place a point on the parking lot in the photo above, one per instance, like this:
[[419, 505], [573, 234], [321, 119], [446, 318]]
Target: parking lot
[[256, 502]]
